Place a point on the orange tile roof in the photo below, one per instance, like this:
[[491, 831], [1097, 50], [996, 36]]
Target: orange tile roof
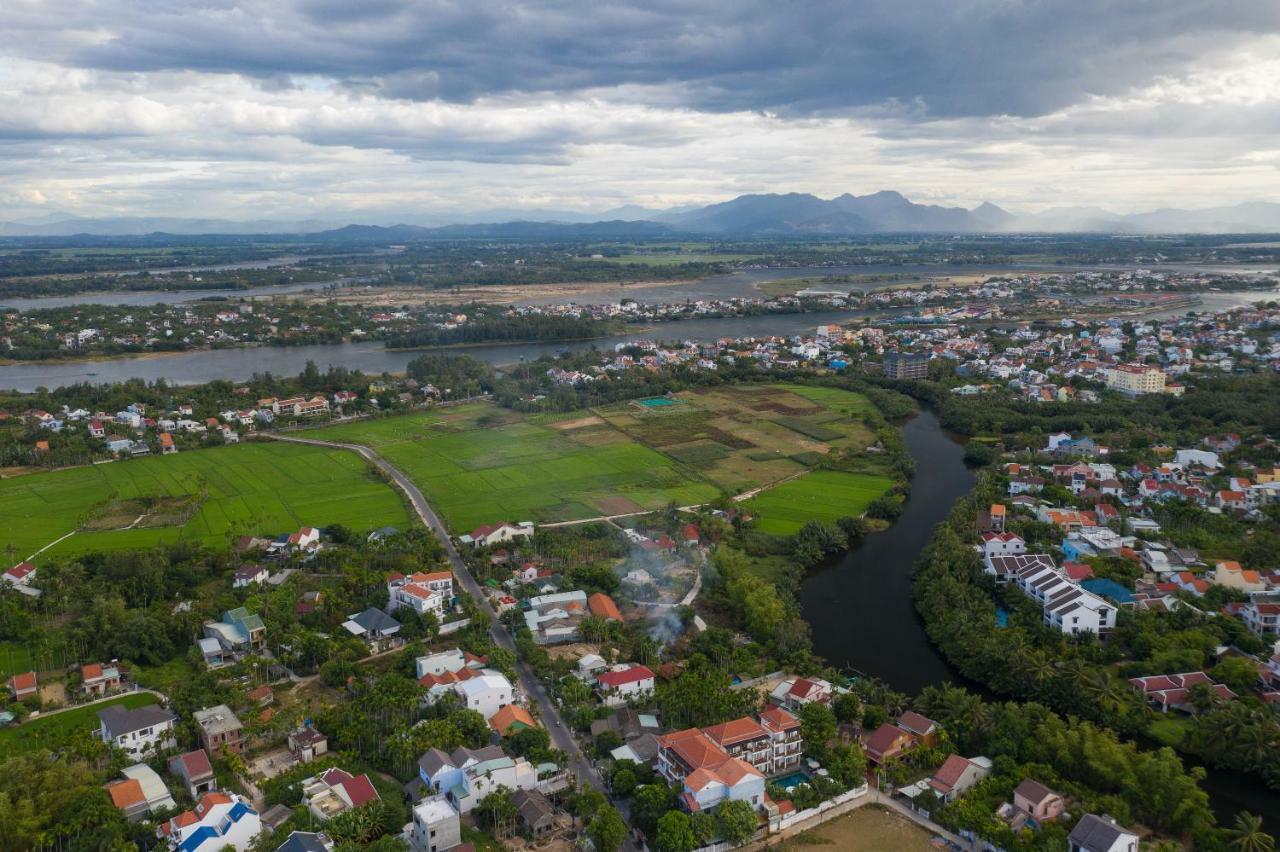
[[89, 671], [23, 681], [602, 606], [512, 714], [126, 793], [735, 731]]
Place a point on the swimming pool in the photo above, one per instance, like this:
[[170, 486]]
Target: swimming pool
[[787, 782], [657, 402]]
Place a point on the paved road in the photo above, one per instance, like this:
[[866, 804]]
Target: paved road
[[529, 683]]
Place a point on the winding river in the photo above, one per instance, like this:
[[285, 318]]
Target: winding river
[[863, 618]]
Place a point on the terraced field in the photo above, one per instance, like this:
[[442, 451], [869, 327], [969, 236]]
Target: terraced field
[[253, 488]]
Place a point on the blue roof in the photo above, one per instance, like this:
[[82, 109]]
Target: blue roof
[[1109, 589], [197, 837]]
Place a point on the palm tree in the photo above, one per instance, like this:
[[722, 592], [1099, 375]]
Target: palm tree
[[1248, 835]]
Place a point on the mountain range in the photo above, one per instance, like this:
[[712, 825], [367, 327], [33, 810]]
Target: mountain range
[[781, 215]]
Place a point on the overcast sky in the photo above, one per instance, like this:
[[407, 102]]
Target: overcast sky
[[373, 110]]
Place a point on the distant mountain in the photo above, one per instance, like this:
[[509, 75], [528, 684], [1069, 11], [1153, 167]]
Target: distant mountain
[[499, 230], [139, 225], [790, 214]]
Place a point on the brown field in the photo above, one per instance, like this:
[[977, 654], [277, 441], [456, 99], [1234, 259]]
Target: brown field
[[566, 425], [868, 829], [617, 505]]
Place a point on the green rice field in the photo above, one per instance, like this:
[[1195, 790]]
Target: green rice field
[[252, 488], [823, 495], [481, 465]]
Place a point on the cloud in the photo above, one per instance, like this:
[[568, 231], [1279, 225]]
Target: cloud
[[404, 108]]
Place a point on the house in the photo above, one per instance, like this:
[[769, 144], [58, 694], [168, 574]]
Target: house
[[23, 685], [220, 731], [468, 775], [886, 742], [262, 695], [195, 771], [249, 575], [334, 791], [1174, 690], [297, 841], [554, 618], [306, 743], [218, 821], [1101, 834], [1235, 500], [239, 632], [534, 811], [706, 773], [374, 626], [140, 792], [624, 683], [745, 739], [511, 719], [98, 679], [487, 693], [957, 775], [139, 731], [167, 446], [1233, 576], [1002, 544], [1263, 618], [795, 693], [1039, 803], [629, 724], [421, 592], [435, 826], [442, 662], [602, 606], [498, 534], [214, 655], [19, 575], [924, 729]]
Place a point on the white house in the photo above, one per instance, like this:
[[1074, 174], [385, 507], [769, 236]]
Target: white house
[[435, 826], [219, 821], [1002, 544], [19, 575], [453, 660], [1101, 834], [624, 683], [498, 533], [140, 731], [468, 775], [249, 575], [487, 693], [420, 592]]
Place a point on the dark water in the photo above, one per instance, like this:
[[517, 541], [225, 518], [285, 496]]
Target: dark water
[[860, 609], [190, 368], [863, 618]]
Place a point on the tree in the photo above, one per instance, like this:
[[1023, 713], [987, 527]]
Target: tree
[[607, 829], [1248, 836], [675, 833], [736, 821], [496, 811], [649, 804], [1239, 673], [817, 725]]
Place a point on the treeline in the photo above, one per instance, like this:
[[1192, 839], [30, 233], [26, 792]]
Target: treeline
[[508, 330]]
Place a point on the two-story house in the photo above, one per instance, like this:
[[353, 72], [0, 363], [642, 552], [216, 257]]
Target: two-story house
[[140, 731], [220, 730]]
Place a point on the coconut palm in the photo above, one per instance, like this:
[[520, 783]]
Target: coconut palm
[[1248, 836]]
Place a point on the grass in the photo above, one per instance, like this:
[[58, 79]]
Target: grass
[[823, 495], [15, 658], [481, 464], [871, 828], [1170, 730], [53, 731], [253, 488]]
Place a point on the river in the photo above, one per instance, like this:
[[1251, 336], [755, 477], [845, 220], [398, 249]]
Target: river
[[188, 368], [862, 616]]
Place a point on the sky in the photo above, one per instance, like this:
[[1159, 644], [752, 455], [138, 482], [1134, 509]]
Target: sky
[[408, 110]]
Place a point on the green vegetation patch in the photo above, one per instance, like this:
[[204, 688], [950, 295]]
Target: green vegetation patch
[[823, 495], [53, 731], [810, 429], [698, 453], [254, 488]]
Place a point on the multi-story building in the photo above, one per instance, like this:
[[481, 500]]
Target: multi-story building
[[1136, 379], [906, 365], [139, 731], [435, 826], [785, 738], [218, 822], [219, 730], [420, 592], [707, 773]]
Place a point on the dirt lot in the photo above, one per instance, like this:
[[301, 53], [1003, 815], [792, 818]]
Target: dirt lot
[[868, 829], [565, 425], [571, 652]]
